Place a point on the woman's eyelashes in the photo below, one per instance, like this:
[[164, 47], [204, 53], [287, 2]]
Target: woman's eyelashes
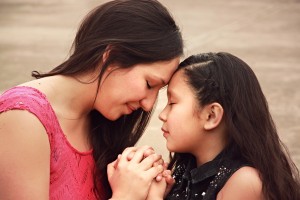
[[148, 85], [153, 84]]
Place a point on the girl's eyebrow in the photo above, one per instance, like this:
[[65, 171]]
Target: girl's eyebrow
[[171, 93]]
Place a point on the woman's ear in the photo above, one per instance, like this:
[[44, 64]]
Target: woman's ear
[[213, 116], [106, 54]]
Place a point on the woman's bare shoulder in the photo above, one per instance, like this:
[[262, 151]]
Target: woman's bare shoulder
[[24, 155]]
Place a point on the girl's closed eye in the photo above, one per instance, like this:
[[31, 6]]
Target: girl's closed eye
[[171, 103]]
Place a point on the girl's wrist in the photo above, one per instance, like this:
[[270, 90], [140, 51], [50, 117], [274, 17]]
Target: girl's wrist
[[155, 198], [124, 198]]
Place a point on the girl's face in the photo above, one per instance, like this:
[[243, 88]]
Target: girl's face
[[124, 90], [182, 120]]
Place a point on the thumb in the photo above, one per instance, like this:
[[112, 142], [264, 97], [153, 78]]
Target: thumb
[[170, 185]]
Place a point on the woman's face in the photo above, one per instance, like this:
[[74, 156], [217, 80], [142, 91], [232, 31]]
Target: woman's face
[[124, 90]]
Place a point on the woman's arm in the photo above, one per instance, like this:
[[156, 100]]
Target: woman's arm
[[24, 157]]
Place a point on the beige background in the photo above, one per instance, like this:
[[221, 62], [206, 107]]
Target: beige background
[[37, 34]]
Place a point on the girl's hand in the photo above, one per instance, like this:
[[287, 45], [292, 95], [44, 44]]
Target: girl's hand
[[159, 189], [167, 174], [131, 179]]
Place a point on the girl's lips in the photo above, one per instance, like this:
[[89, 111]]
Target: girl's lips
[[165, 133]]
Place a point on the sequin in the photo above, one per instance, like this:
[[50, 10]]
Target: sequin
[[206, 180]]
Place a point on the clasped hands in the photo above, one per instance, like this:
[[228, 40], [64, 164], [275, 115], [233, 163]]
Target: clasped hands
[[139, 174]]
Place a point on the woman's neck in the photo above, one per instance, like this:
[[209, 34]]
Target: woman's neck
[[70, 98], [72, 101]]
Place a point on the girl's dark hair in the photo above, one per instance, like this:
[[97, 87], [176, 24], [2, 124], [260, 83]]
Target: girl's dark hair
[[226, 79], [132, 31]]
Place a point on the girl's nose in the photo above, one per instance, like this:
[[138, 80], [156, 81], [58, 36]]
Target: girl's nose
[[163, 115]]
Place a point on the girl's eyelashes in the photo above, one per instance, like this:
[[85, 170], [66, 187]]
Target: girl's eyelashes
[[171, 103]]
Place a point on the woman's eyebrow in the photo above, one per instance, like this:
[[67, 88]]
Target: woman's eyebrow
[[163, 82]]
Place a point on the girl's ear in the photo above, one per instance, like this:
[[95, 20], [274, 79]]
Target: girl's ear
[[213, 116]]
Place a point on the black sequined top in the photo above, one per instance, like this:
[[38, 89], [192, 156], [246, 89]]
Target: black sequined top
[[205, 181]]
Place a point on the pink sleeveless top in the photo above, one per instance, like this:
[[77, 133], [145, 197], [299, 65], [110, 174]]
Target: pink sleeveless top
[[71, 171]]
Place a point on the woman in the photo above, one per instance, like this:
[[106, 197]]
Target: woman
[[69, 123]]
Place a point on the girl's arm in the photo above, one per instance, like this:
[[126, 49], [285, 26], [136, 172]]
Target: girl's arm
[[244, 184], [24, 157]]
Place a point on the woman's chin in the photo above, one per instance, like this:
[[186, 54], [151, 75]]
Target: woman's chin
[[112, 117]]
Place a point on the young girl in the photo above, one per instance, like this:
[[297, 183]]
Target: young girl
[[59, 132], [223, 137]]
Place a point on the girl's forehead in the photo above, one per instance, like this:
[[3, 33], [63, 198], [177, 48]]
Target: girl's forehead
[[177, 76], [177, 83]]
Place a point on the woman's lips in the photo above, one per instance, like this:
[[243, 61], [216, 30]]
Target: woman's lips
[[131, 108]]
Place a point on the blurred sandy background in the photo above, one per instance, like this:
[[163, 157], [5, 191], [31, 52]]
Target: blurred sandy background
[[37, 35]]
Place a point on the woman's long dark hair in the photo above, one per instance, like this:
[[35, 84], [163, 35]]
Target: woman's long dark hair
[[132, 31], [226, 79]]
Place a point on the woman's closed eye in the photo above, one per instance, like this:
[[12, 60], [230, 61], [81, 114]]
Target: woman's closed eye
[[148, 85]]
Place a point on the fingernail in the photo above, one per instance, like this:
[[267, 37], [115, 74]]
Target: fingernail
[[160, 168]]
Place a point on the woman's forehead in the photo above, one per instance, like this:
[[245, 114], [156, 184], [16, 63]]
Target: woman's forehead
[[162, 70]]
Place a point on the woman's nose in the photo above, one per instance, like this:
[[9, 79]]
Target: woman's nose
[[148, 102]]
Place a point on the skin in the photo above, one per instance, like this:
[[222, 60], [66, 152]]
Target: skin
[[188, 127], [24, 158], [247, 181], [27, 164], [125, 90], [200, 130], [138, 167]]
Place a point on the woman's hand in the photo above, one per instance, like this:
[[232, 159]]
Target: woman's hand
[[166, 175], [131, 179]]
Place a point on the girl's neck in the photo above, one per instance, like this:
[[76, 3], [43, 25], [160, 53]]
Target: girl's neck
[[211, 148]]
